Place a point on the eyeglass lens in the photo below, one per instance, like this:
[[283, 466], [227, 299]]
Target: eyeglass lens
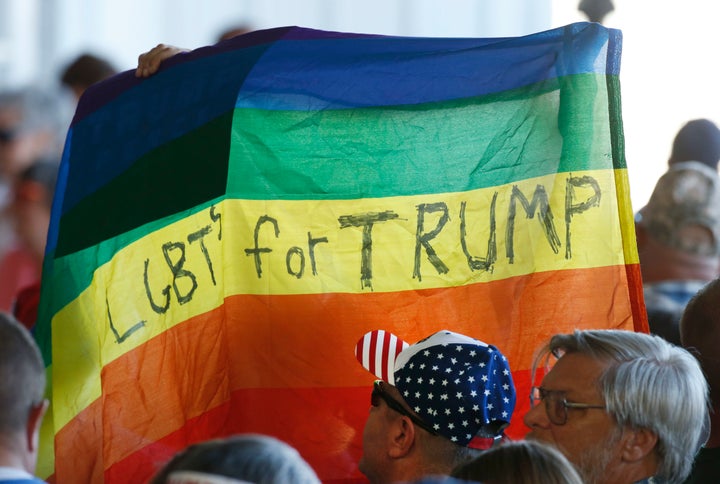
[[554, 404]]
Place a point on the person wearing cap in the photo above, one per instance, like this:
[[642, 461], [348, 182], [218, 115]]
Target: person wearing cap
[[623, 407], [436, 404], [678, 230], [678, 239]]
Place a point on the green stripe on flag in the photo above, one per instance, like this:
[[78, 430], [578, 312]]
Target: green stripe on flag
[[478, 143], [357, 153]]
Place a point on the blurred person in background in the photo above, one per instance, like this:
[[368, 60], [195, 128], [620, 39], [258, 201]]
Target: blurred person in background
[[29, 211], [234, 31], [678, 231], [700, 335], [698, 140], [84, 71], [33, 124]]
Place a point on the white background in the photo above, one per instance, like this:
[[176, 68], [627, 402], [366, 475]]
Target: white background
[[669, 71]]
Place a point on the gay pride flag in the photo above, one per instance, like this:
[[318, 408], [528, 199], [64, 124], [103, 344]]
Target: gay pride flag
[[227, 229]]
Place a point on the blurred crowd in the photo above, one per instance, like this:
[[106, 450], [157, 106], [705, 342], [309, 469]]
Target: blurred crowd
[[33, 125]]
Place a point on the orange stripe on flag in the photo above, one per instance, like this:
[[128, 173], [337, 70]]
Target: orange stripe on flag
[[300, 342]]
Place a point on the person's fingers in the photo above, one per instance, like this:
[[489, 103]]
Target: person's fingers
[[149, 62], [144, 61]]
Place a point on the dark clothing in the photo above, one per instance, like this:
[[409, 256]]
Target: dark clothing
[[706, 468]]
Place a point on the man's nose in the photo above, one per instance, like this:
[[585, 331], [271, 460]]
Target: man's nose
[[536, 417]]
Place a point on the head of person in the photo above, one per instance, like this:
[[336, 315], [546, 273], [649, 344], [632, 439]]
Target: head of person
[[698, 140], [519, 462], [238, 459], [700, 334], [678, 231], [32, 123], [621, 406], [86, 70], [31, 204], [234, 31], [436, 403], [22, 389]]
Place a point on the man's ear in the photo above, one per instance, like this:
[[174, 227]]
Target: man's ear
[[638, 443], [402, 437], [37, 412]]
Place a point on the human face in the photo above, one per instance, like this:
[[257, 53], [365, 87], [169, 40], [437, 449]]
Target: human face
[[590, 437], [375, 463]]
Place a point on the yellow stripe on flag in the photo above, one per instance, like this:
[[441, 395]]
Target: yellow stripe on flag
[[330, 246]]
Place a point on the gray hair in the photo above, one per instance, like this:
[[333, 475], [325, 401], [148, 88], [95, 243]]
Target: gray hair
[[249, 457], [648, 384], [22, 375]]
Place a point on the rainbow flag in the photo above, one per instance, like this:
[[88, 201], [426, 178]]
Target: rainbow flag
[[226, 230]]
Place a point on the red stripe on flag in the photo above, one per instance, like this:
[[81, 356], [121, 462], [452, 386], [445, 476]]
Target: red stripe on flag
[[637, 301], [360, 350], [332, 450]]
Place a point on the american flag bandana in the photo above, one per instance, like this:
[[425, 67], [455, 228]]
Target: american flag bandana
[[458, 385]]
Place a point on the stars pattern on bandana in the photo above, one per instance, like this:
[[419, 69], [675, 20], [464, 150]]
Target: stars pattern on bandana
[[458, 388]]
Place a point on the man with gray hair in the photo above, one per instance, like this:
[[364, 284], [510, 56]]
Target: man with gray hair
[[623, 407], [22, 403]]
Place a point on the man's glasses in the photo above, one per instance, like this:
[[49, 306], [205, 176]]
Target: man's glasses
[[379, 392], [556, 405]]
